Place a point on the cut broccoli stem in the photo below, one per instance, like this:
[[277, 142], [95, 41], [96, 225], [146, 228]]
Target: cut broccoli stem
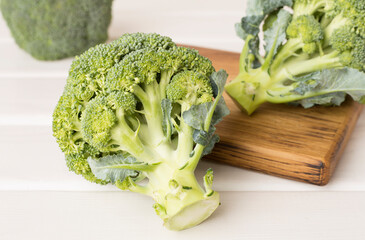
[[247, 89], [180, 201], [194, 213], [258, 84]]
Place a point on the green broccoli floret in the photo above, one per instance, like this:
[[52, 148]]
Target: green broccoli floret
[[305, 31], [143, 108], [316, 53], [189, 88], [56, 29]]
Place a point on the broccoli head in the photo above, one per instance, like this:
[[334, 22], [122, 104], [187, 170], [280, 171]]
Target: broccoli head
[[56, 29], [314, 55], [143, 108]]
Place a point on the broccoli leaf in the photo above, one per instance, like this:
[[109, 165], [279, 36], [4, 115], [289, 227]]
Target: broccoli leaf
[[276, 34], [201, 137], [209, 147], [331, 99], [346, 80], [218, 80], [221, 110], [196, 115], [115, 168], [256, 12], [307, 83], [207, 139], [249, 25], [264, 7]]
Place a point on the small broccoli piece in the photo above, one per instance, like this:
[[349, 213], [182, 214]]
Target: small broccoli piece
[[306, 31], [142, 107], [189, 88], [305, 27], [322, 38], [56, 29], [104, 116]]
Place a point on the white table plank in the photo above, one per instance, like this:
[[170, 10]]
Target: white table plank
[[163, 6], [29, 101], [211, 27], [242, 215], [15, 62]]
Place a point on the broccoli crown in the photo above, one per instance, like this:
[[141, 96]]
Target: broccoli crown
[[143, 107], [108, 82], [55, 29], [319, 35]]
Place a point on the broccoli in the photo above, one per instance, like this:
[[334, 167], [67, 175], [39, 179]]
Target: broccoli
[[56, 29], [314, 55], [140, 113]]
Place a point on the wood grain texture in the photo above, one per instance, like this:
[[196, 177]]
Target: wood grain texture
[[286, 141]]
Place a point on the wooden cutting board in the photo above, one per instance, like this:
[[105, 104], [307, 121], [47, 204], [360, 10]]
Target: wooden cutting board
[[281, 140]]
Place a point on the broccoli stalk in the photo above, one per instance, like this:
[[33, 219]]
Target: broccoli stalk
[[315, 56], [142, 108]]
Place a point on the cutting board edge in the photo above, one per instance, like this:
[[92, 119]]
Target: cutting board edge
[[340, 146]]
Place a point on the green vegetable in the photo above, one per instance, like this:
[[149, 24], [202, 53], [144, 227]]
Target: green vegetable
[[141, 108], [314, 55], [55, 29]]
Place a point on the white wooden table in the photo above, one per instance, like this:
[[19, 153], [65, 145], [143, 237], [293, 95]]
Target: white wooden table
[[40, 199]]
